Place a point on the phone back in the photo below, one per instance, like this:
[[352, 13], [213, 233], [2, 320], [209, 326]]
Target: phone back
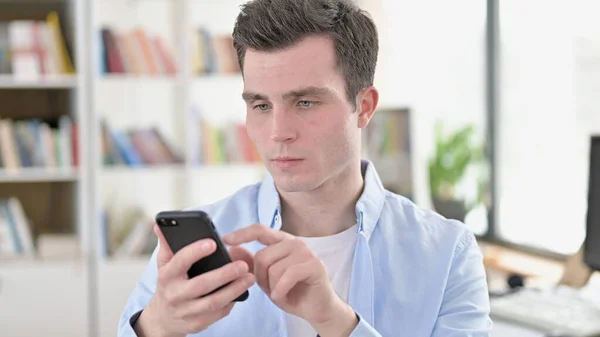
[[182, 228]]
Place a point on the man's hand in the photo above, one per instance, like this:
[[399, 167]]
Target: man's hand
[[179, 306], [296, 280]]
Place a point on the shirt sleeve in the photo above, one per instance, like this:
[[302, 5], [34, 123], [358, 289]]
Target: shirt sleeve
[[139, 298], [465, 305], [364, 329]]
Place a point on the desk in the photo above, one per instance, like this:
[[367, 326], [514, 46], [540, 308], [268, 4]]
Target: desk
[[507, 329], [539, 272]]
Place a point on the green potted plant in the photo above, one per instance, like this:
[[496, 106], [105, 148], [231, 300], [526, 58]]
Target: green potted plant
[[454, 154]]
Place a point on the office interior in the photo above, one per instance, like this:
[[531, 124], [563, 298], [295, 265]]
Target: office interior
[[114, 110]]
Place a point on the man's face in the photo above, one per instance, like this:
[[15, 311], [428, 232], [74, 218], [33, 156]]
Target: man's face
[[298, 115]]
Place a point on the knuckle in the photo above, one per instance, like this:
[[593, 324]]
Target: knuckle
[[233, 269], [200, 285], [274, 270], [321, 265], [169, 297], [197, 325], [303, 250], [260, 257], [162, 277], [225, 311], [310, 255], [211, 304], [299, 244], [177, 264], [224, 274], [293, 270]]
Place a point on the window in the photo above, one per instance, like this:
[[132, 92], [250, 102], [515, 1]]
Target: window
[[549, 67]]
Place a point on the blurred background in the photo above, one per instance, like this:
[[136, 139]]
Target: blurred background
[[114, 110]]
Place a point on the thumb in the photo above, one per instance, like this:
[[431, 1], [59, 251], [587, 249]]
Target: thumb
[[164, 251], [239, 253]]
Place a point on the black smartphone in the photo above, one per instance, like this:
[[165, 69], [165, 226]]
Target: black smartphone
[[181, 228]]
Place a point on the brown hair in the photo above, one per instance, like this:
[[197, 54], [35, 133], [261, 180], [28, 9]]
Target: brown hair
[[269, 25]]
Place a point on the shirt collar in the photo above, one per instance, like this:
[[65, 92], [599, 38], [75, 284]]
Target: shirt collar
[[368, 206], [269, 205]]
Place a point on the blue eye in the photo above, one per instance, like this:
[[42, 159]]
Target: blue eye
[[306, 104]]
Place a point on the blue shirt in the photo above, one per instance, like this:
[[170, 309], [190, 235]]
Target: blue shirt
[[414, 274]]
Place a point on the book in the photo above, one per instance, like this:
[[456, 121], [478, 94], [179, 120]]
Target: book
[[137, 147], [136, 52], [16, 237], [33, 49], [224, 144], [34, 143], [212, 53]]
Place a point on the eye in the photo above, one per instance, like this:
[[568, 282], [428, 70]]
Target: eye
[[262, 107], [306, 104]]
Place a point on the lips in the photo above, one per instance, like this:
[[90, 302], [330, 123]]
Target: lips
[[287, 162]]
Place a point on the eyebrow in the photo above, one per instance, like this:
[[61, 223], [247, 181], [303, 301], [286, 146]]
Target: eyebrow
[[307, 91], [253, 96]]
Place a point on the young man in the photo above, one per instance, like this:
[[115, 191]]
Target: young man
[[322, 247]]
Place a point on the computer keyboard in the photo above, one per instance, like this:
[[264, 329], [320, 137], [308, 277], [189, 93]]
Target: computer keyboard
[[562, 310]]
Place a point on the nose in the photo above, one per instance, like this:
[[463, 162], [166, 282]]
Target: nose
[[282, 127]]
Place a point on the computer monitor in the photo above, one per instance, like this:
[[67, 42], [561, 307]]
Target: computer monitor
[[591, 255]]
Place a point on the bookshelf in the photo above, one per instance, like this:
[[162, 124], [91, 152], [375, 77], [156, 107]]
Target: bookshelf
[[43, 173]]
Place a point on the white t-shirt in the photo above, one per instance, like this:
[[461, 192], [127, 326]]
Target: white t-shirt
[[337, 252]]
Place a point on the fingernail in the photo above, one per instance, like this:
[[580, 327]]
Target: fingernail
[[206, 246]]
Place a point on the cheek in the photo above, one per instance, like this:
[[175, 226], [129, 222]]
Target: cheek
[[332, 133]]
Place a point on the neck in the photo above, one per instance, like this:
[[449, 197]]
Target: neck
[[327, 210]]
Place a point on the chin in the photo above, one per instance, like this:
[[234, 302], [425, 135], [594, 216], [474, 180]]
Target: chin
[[294, 183]]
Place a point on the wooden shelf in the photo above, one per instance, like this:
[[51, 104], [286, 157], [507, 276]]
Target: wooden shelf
[[33, 262], [124, 79], [181, 167], [54, 82], [34, 175], [123, 169]]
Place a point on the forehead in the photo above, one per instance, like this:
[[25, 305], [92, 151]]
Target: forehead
[[310, 62]]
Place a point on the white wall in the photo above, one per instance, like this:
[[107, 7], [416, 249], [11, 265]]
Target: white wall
[[432, 59]]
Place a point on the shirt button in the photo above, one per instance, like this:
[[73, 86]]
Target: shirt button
[[277, 218]]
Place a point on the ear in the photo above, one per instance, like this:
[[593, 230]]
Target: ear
[[366, 104]]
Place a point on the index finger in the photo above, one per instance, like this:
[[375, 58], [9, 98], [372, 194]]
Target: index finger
[[183, 260], [257, 232], [164, 251]]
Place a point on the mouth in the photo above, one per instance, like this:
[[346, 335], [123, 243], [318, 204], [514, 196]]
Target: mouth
[[286, 162]]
